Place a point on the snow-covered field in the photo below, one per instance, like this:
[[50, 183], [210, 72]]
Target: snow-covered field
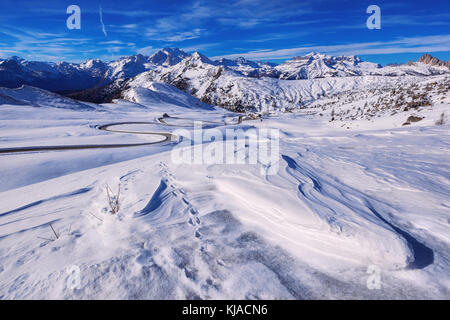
[[349, 197]]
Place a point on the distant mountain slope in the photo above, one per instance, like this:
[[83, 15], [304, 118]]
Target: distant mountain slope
[[153, 93], [432, 61], [63, 76], [72, 77], [316, 65], [225, 82], [250, 68], [27, 95]]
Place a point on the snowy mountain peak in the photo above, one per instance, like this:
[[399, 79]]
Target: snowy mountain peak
[[16, 58], [168, 57], [174, 51], [314, 54], [432, 61], [249, 68], [11, 65], [93, 64], [318, 65], [197, 58], [136, 57], [127, 67], [240, 61]]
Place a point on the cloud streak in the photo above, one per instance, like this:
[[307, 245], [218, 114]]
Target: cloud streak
[[101, 21]]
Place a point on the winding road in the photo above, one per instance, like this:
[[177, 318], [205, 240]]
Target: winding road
[[167, 137]]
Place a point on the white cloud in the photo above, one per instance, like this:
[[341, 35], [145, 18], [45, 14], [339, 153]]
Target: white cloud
[[130, 26], [112, 42], [182, 36], [147, 51]]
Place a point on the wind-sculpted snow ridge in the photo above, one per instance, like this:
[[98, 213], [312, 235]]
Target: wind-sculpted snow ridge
[[336, 204]]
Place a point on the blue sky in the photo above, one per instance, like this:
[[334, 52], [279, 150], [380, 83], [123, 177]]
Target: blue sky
[[256, 29]]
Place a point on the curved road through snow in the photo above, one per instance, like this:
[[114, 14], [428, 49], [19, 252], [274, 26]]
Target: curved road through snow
[[167, 137]]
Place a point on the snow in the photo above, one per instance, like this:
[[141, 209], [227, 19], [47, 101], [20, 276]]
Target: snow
[[38, 97], [92, 73], [348, 195], [150, 93], [316, 65], [244, 85]]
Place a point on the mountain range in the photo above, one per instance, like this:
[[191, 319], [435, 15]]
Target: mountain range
[[72, 77], [68, 77]]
